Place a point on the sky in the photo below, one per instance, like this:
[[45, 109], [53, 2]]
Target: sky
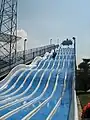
[[41, 20]]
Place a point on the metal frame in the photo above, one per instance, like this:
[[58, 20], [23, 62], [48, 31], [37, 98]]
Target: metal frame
[[8, 27], [29, 56]]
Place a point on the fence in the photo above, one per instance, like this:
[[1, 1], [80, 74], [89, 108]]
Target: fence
[[23, 57]]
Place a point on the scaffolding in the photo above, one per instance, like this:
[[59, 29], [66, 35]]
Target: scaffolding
[[8, 30]]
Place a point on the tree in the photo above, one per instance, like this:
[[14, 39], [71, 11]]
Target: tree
[[84, 68]]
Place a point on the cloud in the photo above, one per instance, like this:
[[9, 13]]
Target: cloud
[[22, 33], [20, 44]]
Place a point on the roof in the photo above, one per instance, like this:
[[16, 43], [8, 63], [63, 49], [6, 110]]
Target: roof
[[6, 37], [67, 42]]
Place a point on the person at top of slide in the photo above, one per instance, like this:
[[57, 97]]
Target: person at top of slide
[[54, 54]]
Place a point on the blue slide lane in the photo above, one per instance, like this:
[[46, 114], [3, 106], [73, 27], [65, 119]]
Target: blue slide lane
[[12, 81], [46, 95], [27, 83], [19, 82], [44, 112]]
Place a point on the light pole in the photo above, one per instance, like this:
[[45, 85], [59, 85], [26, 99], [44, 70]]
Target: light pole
[[74, 39], [74, 45], [74, 49], [24, 51], [50, 41]]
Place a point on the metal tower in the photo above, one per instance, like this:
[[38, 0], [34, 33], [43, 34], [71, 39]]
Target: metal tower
[[8, 28]]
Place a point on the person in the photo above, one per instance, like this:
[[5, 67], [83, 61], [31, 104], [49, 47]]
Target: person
[[54, 54], [86, 112]]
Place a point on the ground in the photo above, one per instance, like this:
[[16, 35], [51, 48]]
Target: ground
[[82, 99]]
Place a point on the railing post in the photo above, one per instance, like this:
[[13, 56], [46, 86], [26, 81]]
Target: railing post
[[33, 55], [24, 51]]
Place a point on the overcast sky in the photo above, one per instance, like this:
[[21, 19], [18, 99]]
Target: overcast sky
[[41, 20]]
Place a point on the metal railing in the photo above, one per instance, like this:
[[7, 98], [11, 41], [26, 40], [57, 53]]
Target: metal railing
[[20, 58]]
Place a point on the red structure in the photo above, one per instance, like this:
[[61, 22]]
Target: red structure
[[86, 111]]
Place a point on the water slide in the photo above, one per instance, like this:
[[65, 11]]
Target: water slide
[[39, 91]]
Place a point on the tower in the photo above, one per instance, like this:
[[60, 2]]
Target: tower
[[8, 29]]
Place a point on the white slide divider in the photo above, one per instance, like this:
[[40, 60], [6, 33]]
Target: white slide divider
[[24, 98], [27, 87], [8, 90], [28, 104], [19, 68], [16, 69], [75, 103], [76, 107], [28, 116], [18, 88], [59, 101], [7, 79], [34, 111]]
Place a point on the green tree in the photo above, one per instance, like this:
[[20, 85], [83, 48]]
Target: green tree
[[84, 69]]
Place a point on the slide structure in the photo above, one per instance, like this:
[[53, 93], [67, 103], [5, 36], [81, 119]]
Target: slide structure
[[41, 90]]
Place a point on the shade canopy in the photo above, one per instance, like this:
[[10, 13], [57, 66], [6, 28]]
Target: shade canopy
[[67, 42]]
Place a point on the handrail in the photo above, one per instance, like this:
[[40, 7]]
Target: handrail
[[30, 55], [76, 108]]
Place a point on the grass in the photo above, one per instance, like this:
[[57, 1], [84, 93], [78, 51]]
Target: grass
[[84, 98]]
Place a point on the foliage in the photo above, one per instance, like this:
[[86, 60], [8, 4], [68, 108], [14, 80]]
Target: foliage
[[83, 76]]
